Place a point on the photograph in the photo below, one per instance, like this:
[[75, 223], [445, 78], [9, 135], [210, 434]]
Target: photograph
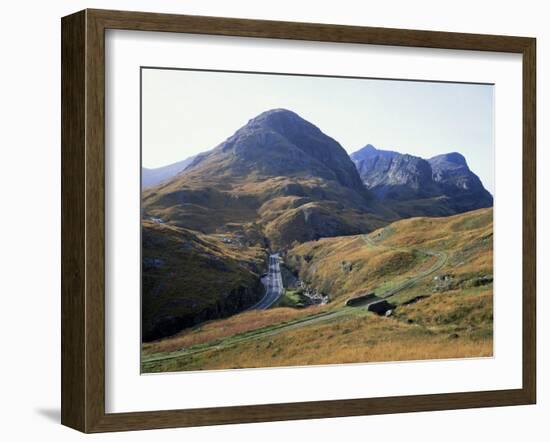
[[294, 220]]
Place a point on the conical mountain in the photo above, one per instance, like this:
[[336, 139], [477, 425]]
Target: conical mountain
[[278, 173], [280, 143]]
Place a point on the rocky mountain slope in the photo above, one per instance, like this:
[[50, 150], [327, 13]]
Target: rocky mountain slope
[[413, 186], [278, 174]]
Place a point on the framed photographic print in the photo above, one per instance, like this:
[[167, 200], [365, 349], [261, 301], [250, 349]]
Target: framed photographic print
[[270, 220]]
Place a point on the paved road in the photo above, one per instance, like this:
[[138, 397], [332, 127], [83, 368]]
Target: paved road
[[273, 285]]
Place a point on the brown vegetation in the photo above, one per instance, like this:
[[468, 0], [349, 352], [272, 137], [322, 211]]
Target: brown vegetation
[[446, 313], [214, 330]]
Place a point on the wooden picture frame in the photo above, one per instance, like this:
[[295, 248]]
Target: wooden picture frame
[[83, 220]]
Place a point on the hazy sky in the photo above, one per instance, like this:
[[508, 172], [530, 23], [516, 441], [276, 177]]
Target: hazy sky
[[187, 112]]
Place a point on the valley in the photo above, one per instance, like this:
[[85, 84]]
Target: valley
[[252, 250], [443, 304]]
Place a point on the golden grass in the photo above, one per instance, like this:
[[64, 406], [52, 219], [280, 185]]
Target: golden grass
[[355, 339], [217, 329], [395, 253], [446, 231], [451, 321], [456, 308], [407, 350], [371, 267]]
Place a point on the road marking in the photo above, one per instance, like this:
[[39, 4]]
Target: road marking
[[274, 285]]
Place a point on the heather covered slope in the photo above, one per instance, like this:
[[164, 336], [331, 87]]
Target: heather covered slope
[[412, 186]]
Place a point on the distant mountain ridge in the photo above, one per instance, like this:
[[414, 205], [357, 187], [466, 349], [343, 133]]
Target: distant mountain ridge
[[413, 186], [153, 176]]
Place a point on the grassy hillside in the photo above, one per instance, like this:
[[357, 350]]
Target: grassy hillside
[[462, 245], [281, 209], [436, 271], [355, 337]]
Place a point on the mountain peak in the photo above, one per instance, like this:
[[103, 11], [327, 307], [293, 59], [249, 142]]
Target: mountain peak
[[369, 151], [276, 143], [366, 150], [280, 120], [451, 157], [392, 176], [278, 111]]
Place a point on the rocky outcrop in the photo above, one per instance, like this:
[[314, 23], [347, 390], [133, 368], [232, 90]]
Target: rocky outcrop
[[456, 181], [413, 186], [390, 175]]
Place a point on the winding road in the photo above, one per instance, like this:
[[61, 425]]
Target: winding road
[[273, 285], [274, 289]]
